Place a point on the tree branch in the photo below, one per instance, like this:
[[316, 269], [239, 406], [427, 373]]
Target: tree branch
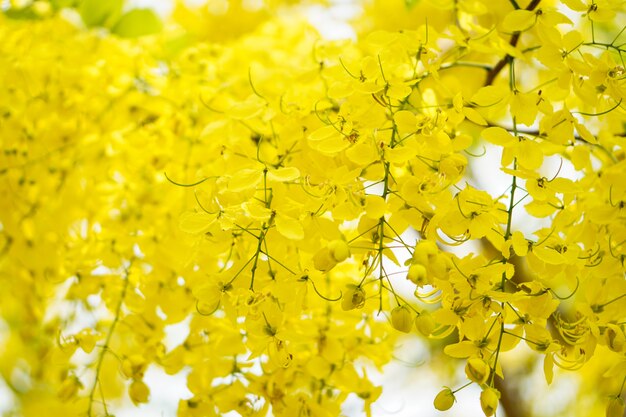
[[491, 75], [510, 400]]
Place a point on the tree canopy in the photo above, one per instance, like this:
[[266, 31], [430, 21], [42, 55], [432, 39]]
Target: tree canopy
[[301, 206]]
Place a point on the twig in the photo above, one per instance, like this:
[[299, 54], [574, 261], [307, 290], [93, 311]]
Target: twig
[[491, 75]]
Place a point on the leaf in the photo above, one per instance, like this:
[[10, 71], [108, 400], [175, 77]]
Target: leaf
[[136, 23], [99, 12], [26, 13], [60, 4]]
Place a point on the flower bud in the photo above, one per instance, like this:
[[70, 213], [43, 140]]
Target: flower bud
[[477, 370], [278, 353], [614, 337], [615, 407], [402, 319], [323, 260], [489, 401], [444, 400], [69, 388], [425, 324], [86, 340], [134, 366], [339, 250], [354, 297], [138, 392]]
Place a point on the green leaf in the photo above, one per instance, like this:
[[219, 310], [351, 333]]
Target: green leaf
[[25, 13], [410, 3], [100, 12], [62, 4], [136, 23]]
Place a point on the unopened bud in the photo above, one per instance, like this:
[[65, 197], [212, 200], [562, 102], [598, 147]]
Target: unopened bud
[[477, 370], [615, 407], [489, 401], [138, 392], [339, 250], [69, 388], [614, 337], [323, 260], [444, 400], [402, 319], [425, 324], [353, 298]]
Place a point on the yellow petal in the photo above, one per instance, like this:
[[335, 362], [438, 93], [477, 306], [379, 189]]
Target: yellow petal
[[245, 179], [529, 155], [400, 154], [518, 20], [405, 121], [362, 154], [195, 222], [375, 206], [461, 350], [289, 228], [498, 136], [283, 174], [474, 116]]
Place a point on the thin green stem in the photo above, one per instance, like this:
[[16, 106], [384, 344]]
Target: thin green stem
[[107, 342]]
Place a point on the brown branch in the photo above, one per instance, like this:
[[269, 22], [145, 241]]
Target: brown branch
[[510, 399], [491, 75]]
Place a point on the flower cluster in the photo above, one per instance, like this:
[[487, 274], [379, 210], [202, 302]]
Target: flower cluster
[[277, 193]]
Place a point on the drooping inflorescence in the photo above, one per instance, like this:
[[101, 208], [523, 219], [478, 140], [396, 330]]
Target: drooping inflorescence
[[299, 205]]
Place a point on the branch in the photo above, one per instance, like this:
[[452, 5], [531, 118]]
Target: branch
[[107, 343], [510, 399], [491, 75]]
